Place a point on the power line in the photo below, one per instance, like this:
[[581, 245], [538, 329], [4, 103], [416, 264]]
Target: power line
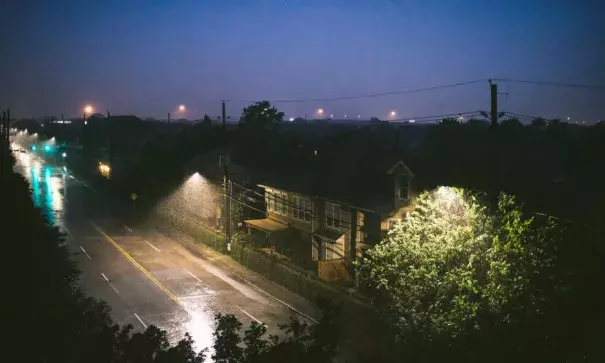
[[370, 95], [554, 84]]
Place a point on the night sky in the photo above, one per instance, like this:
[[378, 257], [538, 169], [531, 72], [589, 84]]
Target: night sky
[[146, 57]]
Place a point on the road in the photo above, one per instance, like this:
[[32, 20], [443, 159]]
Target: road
[[148, 277]]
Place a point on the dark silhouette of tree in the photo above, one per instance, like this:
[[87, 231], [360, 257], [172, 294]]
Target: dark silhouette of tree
[[207, 120], [261, 115]]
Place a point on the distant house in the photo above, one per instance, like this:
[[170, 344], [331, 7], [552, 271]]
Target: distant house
[[335, 211]]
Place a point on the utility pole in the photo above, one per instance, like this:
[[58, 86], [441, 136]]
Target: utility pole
[[494, 103], [493, 152], [226, 181]]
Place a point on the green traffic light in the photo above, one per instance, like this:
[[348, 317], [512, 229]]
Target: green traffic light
[[47, 148], [33, 147]]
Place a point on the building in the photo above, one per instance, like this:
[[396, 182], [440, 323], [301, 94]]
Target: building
[[325, 217]]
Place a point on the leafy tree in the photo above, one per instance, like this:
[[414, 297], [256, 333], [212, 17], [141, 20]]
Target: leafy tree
[[261, 115], [451, 261]]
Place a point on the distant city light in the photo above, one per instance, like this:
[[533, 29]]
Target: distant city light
[[331, 115], [345, 115], [85, 122], [320, 111], [182, 108], [64, 155], [291, 119], [393, 113], [412, 121], [358, 116]]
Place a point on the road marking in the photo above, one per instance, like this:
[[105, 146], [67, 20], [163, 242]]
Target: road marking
[[194, 296], [66, 230], [130, 230], [137, 265], [152, 246], [250, 315], [86, 253], [192, 275], [284, 303], [110, 284], [140, 320]]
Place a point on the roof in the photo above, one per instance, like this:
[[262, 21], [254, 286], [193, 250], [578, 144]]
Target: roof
[[362, 181], [266, 225]]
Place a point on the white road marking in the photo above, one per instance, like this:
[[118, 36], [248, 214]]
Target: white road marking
[[114, 288], [86, 253], [66, 230], [193, 296], [192, 275], [284, 303], [140, 320], [250, 315], [152, 246], [110, 284], [128, 228]]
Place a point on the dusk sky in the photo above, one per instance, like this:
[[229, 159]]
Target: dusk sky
[[146, 57]]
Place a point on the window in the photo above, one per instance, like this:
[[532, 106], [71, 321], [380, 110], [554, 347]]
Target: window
[[276, 202], [333, 215], [403, 188], [302, 209]]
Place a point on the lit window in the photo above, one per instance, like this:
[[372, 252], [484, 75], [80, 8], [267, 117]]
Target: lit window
[[302, 209], [277, 202], [333, 215]]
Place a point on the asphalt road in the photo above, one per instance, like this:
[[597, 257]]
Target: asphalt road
[[147, 277]]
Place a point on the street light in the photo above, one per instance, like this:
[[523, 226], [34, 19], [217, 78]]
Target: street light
[[64, 155], [182, 108], [393, 113], [88, 110], [320, 111]]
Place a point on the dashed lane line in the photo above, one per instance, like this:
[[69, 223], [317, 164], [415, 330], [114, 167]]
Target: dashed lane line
[[86, 253]]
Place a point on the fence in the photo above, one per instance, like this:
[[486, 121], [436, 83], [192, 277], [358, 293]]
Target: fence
[[291, 277]]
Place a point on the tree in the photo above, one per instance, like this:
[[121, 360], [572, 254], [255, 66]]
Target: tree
[[450, 261], [261, 115], [206, 120]]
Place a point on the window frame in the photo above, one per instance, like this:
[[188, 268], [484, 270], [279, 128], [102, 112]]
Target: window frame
[[404, 184], [330, 215], [301, 209]]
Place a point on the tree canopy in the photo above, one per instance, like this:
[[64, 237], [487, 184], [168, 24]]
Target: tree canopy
[[454, 270], [261, 115]]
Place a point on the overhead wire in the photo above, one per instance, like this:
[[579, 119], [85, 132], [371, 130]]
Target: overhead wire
[[370, 95], [553, 84]]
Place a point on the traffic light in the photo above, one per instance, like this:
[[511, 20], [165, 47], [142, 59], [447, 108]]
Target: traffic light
[[47, 148], [33, 147]]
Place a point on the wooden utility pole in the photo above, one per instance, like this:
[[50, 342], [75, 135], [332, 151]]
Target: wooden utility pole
[[226, 181], [492, 148], [494, 103]]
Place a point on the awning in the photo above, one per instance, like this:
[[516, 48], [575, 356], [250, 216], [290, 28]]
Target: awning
[[329, 234], [266, 225]]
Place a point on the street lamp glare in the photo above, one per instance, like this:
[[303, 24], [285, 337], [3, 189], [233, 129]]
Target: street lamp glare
[[393, 113], [181, 108], [320, 111], [88, 109]]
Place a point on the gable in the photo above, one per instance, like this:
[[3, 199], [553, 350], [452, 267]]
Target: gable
[[400, 168]]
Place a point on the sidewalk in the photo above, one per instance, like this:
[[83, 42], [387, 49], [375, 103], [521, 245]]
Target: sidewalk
[[294, 302]]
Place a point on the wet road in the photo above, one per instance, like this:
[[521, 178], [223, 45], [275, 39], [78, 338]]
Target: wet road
[[145, 276]]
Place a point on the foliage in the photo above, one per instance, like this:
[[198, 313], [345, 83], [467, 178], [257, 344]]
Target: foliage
[[261, 115], [455, 274], [451, 261]]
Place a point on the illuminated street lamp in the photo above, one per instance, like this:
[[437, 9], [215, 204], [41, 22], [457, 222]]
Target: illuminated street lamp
[[320, 111], [393, 113], [64, 155], [182, 108]]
